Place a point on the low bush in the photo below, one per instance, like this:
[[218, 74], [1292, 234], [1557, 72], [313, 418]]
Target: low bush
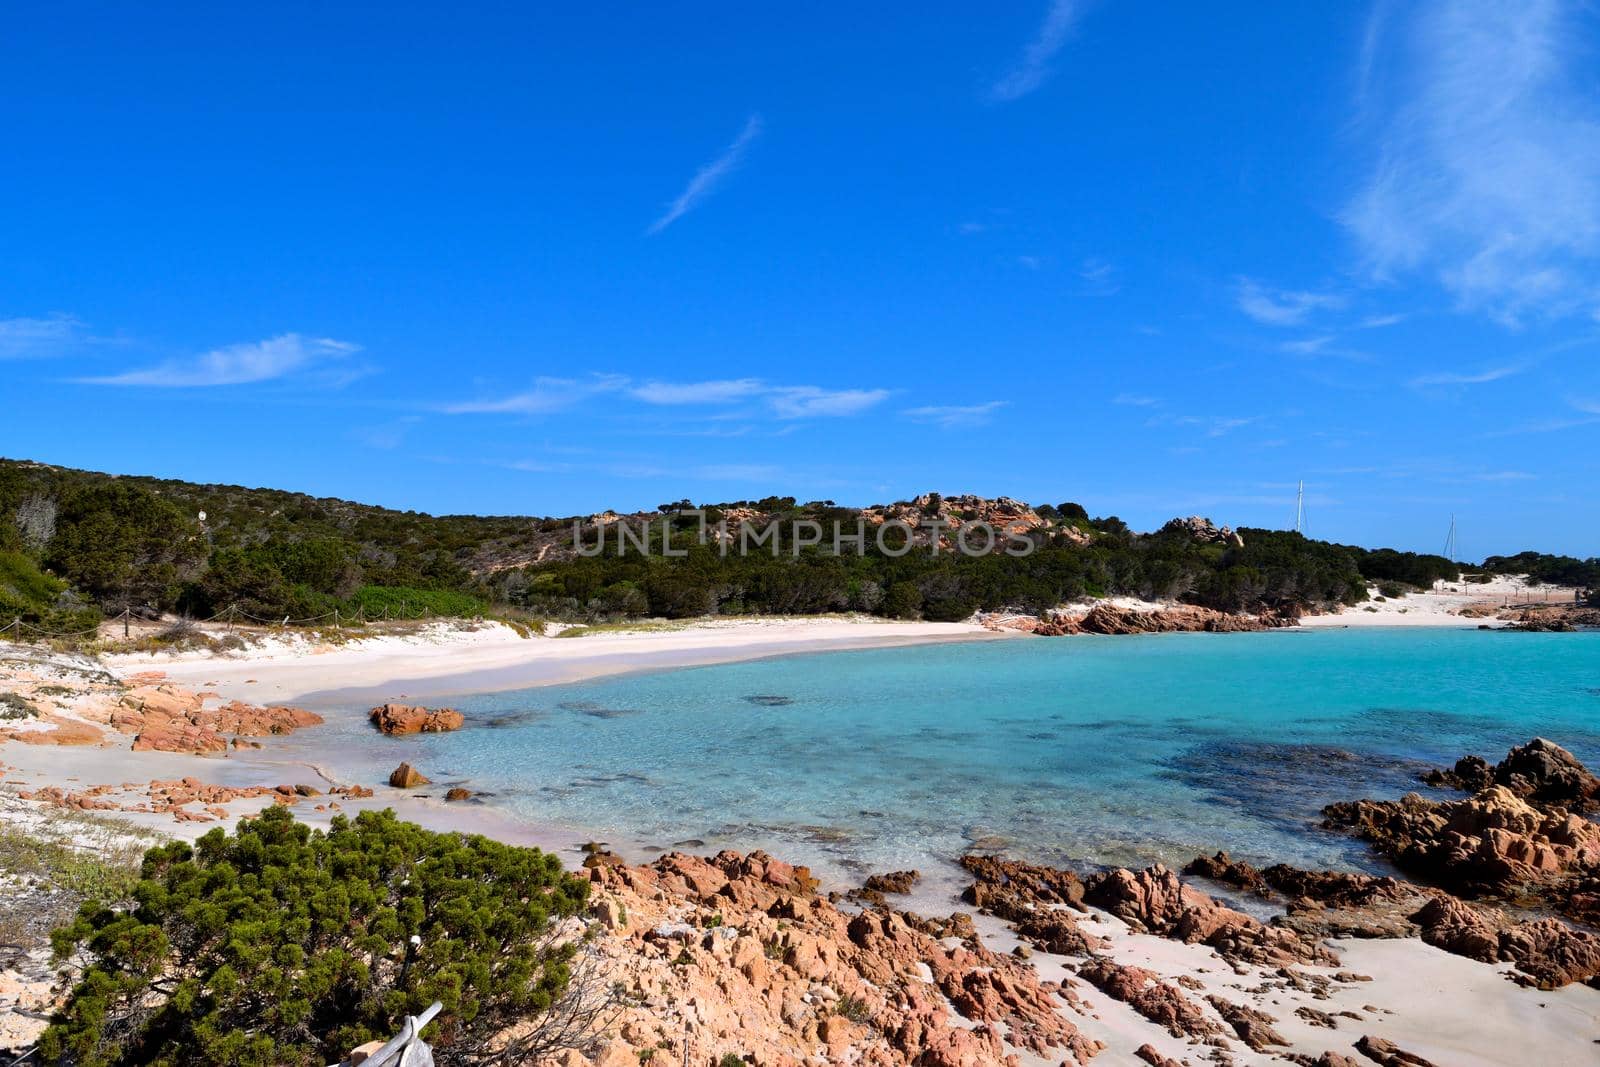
[[281, 946], [405, 602]]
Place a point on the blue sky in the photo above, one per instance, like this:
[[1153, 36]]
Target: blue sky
[[526, 259]]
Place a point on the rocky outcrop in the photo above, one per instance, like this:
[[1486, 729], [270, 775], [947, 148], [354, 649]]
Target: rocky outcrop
[[166, 718], [1563, 618], [1387, 1054], [397, 720], [457, 793], [1225, 870], [1202, 531], [1155, 899], [1548, 953], [51, 730], [1111, 619], [178, 797], [1540, 771], [898, 882], [1161, 1002], [738, 953], [406, 776], [1252, 1027], [1490, 843], [1038, 902]]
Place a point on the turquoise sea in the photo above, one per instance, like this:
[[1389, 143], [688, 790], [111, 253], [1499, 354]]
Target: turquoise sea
[[1078, 750]]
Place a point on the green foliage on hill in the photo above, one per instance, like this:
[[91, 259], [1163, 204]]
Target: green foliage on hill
[[138, 542], [1273, 569], [1411, 568], [1551, 570], [28, 594], [128, 541], [280, 946]]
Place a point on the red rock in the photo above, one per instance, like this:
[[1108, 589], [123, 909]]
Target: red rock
[[1147, 994], [406, 776], [397, 720], [1388, 1054], [1155, 899]]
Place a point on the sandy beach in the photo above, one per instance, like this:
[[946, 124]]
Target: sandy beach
[[1466, 604], [446, 658], [1440, 1007]]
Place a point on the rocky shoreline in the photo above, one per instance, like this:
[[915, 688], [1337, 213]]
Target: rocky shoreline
[[1110, 619], [1496, 902], [743, 953]]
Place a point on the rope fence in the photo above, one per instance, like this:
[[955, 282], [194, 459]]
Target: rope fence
[[19, 630]]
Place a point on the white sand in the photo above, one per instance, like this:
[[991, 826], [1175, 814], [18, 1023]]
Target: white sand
[[443, 660], [1452, 1011], [1442, 605]]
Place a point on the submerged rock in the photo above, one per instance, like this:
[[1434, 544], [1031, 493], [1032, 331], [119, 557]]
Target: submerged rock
[[893, 882]]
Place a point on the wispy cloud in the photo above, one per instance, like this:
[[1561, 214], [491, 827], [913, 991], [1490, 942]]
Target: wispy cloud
[[809, 401], [1588, 414], [20, 338], [1378, 322], [1481, 377], [708, 177], [1486, 154], [548, 395], [956, 416], [1033, 67], [1099, 277], [240, 364], [712, 392], [1282, 307], [386, 435], [1308, 346], [1135, 400], [1218, 425]]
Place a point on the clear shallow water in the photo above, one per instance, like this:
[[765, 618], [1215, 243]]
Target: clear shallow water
[[1076, 750]]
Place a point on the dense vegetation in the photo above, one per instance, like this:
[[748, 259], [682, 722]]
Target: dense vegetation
[[1552, 570], [1272, 569], [71, 541], [286, 947], [1385, 565]]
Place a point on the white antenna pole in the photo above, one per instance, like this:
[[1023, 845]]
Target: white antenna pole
[[1300, 510]]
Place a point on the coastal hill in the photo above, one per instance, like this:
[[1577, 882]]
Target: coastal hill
[[76, 545]]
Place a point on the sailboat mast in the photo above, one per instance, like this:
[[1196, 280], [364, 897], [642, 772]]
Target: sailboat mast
[[1300, 510]]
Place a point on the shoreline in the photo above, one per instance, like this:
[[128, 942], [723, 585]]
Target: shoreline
[[493, 658], [1475, 1013]]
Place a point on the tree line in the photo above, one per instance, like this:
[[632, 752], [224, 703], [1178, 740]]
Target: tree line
[[76, 544]]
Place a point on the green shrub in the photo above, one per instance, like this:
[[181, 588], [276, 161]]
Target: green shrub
[[404, 602], [282, 946], [120, 544], [27, 593]]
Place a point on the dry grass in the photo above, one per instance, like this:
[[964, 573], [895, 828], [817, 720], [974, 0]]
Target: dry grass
[[52, 860]]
